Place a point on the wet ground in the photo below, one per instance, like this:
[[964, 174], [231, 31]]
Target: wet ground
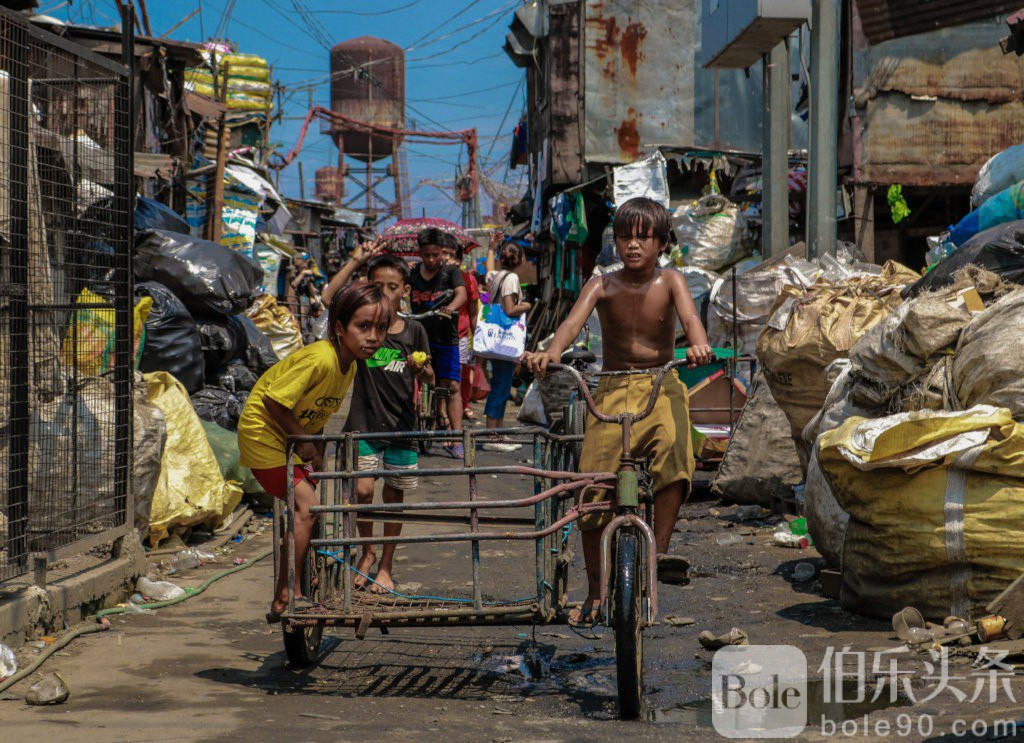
[[210, 669]]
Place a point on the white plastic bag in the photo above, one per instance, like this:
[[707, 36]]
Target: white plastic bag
[[645, 177], [158, 590], [710, 232], [1000, 172], [532, 409]]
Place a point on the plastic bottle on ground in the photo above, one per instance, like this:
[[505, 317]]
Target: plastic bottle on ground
[[798, 526], [158, 590]]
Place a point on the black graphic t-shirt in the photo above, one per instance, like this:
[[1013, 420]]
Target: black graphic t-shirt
[[382, 394], [425, 293]]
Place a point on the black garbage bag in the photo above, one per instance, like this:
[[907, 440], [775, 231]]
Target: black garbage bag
[[234, 377], [172, 339], [92, 266], [260, 354], [152, 215], [999, 249], [223, 340], [209, 278], [218, 406]]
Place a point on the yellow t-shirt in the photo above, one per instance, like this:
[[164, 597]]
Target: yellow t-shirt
[[310, 383]]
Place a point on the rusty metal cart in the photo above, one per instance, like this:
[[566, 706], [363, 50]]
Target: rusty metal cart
[[545, 516]]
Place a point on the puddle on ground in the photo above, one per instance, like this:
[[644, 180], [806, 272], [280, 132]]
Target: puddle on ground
[[698, 712]]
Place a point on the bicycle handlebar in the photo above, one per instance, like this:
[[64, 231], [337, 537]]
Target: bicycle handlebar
[[433, 311], [659, 376]]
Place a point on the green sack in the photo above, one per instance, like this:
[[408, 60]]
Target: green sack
[[225, 448]]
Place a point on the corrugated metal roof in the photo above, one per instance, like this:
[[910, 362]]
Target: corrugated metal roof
[[891, 19]]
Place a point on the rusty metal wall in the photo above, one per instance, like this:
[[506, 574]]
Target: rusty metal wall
[[931, 108], [888, 19], [638, 77]]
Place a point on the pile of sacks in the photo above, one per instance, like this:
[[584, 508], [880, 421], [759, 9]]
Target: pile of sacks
[[817, 311], [915, 467], [204, 333]]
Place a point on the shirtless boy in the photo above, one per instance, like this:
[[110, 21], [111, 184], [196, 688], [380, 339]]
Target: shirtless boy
[[638, 306]]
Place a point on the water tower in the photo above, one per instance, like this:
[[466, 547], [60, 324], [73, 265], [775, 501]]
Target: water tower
[[368, 85], [330, 184]]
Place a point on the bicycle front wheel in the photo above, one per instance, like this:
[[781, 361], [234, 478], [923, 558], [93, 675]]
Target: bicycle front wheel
[[627, 616]]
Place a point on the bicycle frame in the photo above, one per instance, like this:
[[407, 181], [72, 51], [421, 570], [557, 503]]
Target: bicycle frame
[[627, 486], [554, 490]]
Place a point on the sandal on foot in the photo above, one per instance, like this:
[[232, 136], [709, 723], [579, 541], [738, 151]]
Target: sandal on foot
[[587, 619], [673, 569], [273, 617]]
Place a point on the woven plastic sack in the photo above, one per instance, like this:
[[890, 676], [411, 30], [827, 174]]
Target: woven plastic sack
[[989, 364], [277, 323], [761, 461], [809, 329], [191, 490], [710, 232], [936, 505], [225, 448]]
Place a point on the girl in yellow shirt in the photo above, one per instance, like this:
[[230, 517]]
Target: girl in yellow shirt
[[296, 397]]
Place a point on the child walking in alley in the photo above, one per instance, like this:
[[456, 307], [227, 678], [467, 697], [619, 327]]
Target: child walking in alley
[[638, 306], [430, 279], [296, 397], [382, 402], [504, 289]]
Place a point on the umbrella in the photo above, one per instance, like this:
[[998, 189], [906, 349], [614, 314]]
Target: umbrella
[[401, 236]]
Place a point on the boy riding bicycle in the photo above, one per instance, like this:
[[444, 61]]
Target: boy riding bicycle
[[638, 306]]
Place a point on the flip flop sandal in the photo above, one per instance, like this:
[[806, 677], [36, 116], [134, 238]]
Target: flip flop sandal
[[673, 569], [588, 619], [273, 617]]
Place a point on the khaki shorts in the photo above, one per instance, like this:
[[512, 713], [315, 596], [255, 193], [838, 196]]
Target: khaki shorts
[[663, 436]]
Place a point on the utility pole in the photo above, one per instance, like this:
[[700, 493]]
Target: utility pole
[[302, 183], [824, 127], [775, 164], [215, 182]]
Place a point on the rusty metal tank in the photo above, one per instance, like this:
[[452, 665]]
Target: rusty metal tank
[[379, 100], [330, 184]]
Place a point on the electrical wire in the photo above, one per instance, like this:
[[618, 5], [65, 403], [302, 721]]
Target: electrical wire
[[501, 126], [372, 12]]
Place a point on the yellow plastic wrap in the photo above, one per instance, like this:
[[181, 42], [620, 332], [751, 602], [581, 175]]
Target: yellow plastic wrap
[[90, 340], [277, 323], [936, 506], [190, 490]]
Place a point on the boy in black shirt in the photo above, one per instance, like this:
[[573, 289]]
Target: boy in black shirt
[[430, 279], [382, 401]]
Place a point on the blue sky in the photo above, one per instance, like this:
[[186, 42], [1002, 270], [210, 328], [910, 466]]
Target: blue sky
[[457, 76]]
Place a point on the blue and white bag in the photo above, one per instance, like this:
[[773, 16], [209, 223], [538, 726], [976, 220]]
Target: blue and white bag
[[497, 335]]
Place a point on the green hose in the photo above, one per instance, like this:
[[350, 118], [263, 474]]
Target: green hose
[[101, 626], [189, 592]]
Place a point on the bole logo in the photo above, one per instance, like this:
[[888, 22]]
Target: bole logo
[[759, 691]]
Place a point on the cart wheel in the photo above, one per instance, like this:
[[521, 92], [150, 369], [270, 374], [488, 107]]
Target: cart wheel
[[626, 614], [302, 645], [575, 423]]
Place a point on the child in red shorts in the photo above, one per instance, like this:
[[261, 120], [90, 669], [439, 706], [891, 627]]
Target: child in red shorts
[[296, 397]]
